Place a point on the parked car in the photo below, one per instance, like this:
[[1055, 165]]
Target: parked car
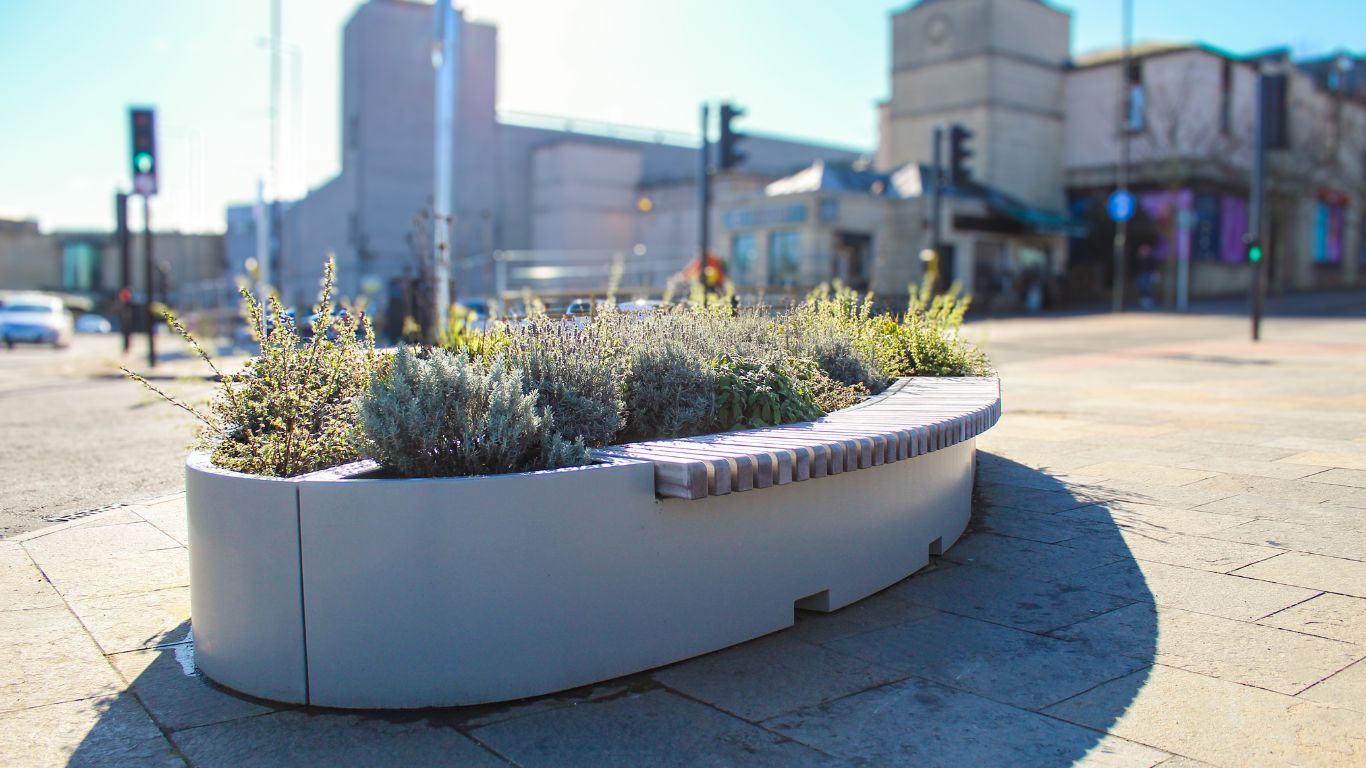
[[35, 319], [93, 323]]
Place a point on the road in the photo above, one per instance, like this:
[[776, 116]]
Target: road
[[74, 435], [77, 435]]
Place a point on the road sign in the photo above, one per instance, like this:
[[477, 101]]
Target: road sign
[[1120, 205]]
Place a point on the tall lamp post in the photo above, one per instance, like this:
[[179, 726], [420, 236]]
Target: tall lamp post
[[444, 58], [1122, 180]]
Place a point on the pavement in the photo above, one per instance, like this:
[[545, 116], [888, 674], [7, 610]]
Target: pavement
[[1167, 566]]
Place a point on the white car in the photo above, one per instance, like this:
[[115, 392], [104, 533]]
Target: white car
[[93, 323], [35, 319]]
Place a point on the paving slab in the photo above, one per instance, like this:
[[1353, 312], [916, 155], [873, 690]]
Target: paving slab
[[87, 733], [50, 659], [653, 727], [132, 621], [1034, 559], [1148, 474], [169, 517], [22, 585], [1034, 526], [999, 663], [1219, 556], [1333, 616], [1005, 598], [1220, 722], [923, 723], [1346, 689], [1153, 518], [773, 675], [1340, 539], [319, 738], [1353, 478], [1192, 589], [1265, 657], [177, 697], [880, 610], [1311, 571]]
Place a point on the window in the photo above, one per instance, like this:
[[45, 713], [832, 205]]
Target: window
[[1226, 98], [1328, 231], [784, 258], [742, 251], [80, 266], [1135, 100]]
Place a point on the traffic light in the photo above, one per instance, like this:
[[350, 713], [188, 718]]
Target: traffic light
[[959, 152], [1254, 250], [144, 151], [730, 156]]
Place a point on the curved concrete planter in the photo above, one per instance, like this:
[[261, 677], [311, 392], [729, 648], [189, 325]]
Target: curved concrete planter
[[337, 590]]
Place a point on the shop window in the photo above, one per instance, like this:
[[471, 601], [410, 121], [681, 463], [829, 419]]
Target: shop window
[[743, 249], [1328, 229], [784, 259], [80, 266], [1135, 99], [1226, 98]]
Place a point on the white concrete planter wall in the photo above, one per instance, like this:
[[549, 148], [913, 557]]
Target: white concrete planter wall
[[337, 590]]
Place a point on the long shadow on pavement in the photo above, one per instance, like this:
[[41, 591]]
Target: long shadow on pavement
[[987, 657]]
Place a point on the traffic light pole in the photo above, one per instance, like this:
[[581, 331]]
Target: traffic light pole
[[1122, 182], [937, 183], [1258, 212], [703, 206], [148, 280], [125, 269]]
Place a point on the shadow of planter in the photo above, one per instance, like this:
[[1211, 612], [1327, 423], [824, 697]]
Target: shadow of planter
[[989, 656]]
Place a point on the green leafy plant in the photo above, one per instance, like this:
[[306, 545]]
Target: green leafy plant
[[927, 341], [760, 393], [291, 409], [449, 415], [462, 337]]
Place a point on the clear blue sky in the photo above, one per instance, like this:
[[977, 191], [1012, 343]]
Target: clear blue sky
[[810, 68]]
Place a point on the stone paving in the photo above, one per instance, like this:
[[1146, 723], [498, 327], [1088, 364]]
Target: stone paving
[[1167, 567]]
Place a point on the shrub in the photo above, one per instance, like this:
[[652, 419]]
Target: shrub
[[670, 391], [761, 393], [291, 410], [833, 328], [576, 374], [448, 415], [927, 341]]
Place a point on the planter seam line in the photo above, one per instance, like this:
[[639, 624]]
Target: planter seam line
[[303, 602]]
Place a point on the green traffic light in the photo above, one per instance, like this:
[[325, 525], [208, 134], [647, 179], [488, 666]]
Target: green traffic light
[[143, 162], [1254, 254]]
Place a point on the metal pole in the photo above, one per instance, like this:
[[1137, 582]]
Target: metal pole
[[1122, 182], [125, 269], [148, 280], [445, 61], [1183, 255], [703, 205], [262, 275], [1258, 202], [937, 182]]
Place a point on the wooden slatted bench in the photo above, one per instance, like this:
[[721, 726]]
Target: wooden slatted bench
[[914, 416]]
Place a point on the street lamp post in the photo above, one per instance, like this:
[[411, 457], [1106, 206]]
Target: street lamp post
[[1122, 181], [444, 53]]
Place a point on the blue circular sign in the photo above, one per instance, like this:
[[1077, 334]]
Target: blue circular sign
[[1120, 205]]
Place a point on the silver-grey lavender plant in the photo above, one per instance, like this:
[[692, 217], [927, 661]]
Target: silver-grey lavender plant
[[447, 415]]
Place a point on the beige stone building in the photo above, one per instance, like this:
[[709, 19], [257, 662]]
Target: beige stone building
[[1030, 227]]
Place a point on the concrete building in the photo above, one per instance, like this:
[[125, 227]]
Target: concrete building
[[1189, 127], [558, 201], [1030, 226], [551, 204], [84, 267]]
